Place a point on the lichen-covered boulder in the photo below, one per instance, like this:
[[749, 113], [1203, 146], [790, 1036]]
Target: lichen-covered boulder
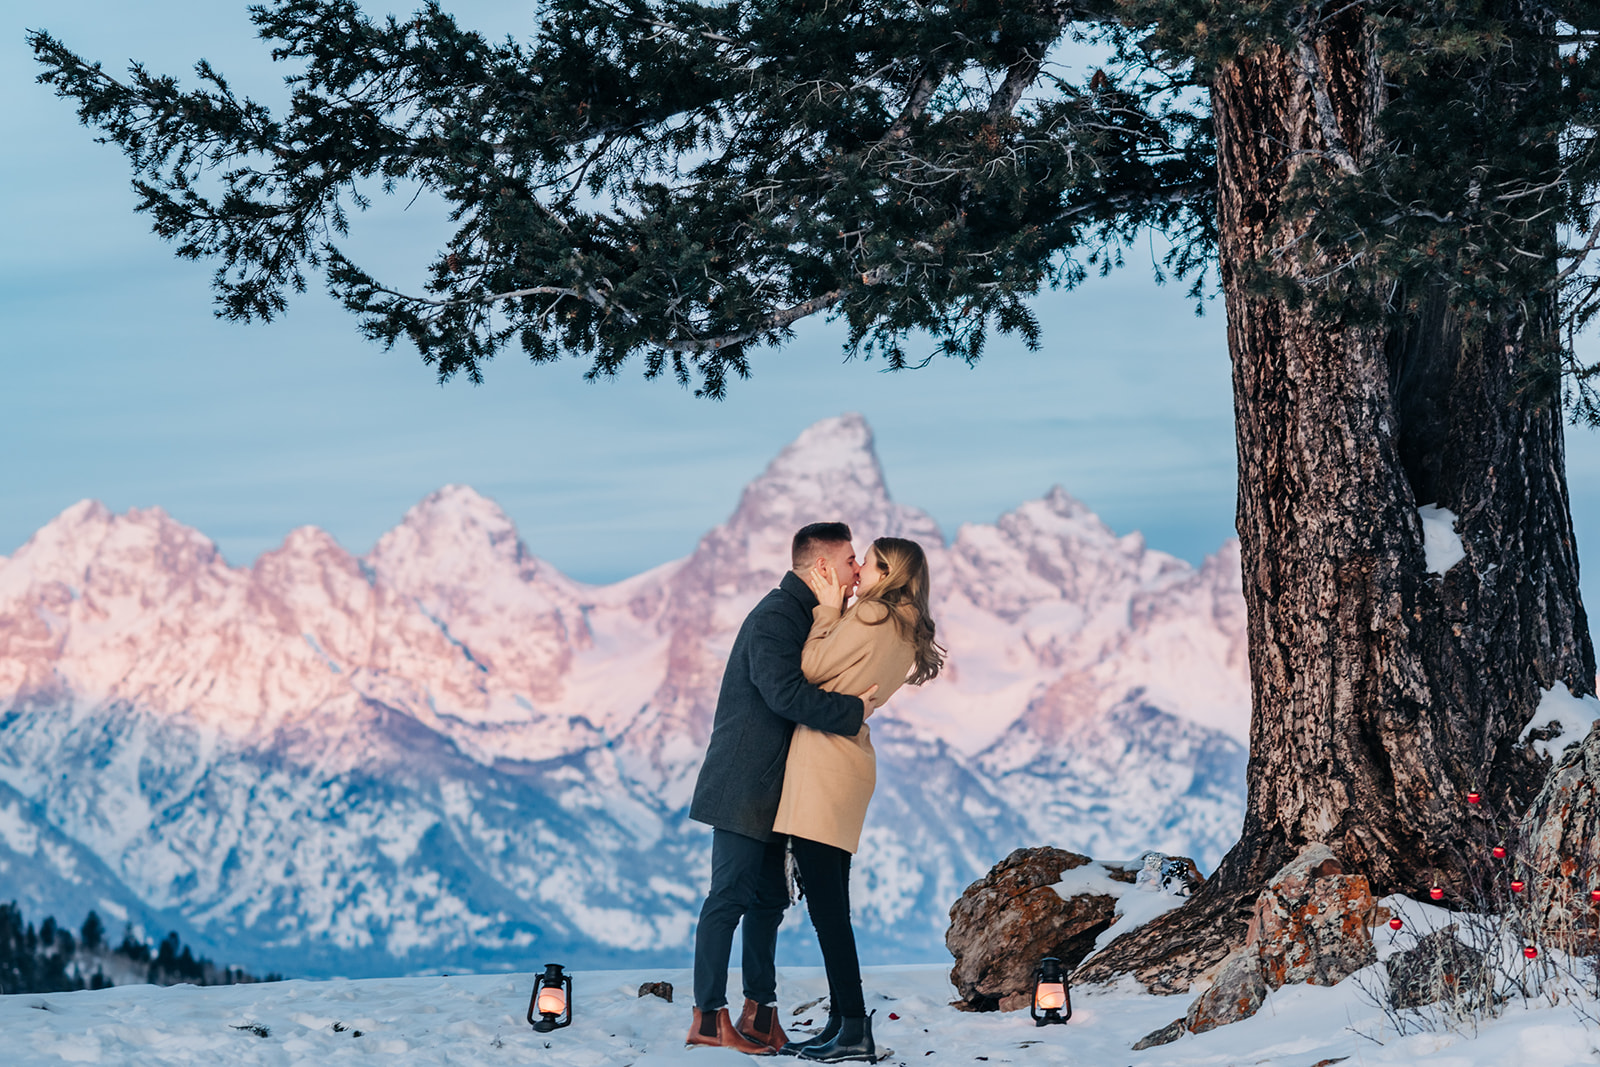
[[1239, 990], [1009, 920], [1312, 924]]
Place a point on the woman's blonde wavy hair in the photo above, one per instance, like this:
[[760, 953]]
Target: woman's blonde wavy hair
[[903, 588]]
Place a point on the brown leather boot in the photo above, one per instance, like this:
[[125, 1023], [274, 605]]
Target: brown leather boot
[[750, 1025], [718, 1031]]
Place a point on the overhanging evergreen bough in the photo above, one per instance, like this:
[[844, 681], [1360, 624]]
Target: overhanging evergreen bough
[[1400, 201]]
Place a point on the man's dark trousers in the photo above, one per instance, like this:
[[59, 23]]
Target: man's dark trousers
[[747, 883]]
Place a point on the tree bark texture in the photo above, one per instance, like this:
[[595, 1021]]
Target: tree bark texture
[[1381, 693]]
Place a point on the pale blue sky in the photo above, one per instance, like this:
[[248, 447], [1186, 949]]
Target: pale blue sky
[[120, 385]]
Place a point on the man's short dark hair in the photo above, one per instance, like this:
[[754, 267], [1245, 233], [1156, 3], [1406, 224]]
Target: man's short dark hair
[[810, 538]]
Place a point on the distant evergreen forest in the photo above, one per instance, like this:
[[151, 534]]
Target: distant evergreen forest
[[52, 959]]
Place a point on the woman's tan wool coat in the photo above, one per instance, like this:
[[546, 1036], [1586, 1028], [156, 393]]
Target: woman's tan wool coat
[[828, 780]]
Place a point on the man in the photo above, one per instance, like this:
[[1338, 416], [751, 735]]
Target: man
[[763, 695]]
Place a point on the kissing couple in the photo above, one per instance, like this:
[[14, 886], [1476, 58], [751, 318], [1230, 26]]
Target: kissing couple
[[790, 770]]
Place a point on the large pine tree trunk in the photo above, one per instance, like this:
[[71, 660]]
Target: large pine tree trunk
[[1381, 693]]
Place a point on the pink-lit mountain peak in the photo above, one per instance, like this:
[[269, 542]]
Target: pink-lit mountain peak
[[832, 454], [830, 472], [450, 529], [458, 557], [113, 566], [305, 549], [452, 607]]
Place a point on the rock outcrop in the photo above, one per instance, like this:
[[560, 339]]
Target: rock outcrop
[[1009, 920], [1561, 831], [1313, 922], [1439, 967], [1237, 993], [1311, 925], [1177, 875]]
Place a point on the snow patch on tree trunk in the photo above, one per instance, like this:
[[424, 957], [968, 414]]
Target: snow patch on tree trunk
[[1568, 716], [1440, 542]]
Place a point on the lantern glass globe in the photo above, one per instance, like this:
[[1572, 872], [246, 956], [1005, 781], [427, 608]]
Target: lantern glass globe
[[1050, 996]]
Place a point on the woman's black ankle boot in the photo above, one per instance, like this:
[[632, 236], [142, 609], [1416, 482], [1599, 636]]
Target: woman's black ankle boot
[[852, 1042], [831, 1030]]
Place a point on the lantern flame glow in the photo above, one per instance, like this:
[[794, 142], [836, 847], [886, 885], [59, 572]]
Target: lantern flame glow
[[552, 1000], [1050, 996]]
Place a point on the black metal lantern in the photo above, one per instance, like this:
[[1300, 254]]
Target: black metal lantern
[[551, 1000], [1051, 996]]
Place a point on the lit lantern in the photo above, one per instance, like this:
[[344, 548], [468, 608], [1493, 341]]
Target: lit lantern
[[552, 1000], [1517, 885], [1436, 893], [1395, 923], [1530, 952], [1498, 852], [1473, 797], [1050, 994]]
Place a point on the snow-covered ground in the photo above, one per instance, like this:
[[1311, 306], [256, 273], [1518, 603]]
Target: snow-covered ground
[[480, 1020]]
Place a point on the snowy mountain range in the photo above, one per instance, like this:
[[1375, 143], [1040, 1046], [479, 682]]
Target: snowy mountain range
[[447, 755]]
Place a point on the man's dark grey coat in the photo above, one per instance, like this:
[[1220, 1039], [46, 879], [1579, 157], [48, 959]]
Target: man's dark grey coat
[[763, 695]]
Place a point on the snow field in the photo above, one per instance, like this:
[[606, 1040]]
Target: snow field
[[480, 1020]]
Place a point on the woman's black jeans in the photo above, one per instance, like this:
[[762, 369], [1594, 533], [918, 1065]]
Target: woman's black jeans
[[825, 874]]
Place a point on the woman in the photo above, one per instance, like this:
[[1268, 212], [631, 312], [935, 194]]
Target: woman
[[885, 638]]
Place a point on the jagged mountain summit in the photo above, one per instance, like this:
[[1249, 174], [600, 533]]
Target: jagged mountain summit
[[446, 753]]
